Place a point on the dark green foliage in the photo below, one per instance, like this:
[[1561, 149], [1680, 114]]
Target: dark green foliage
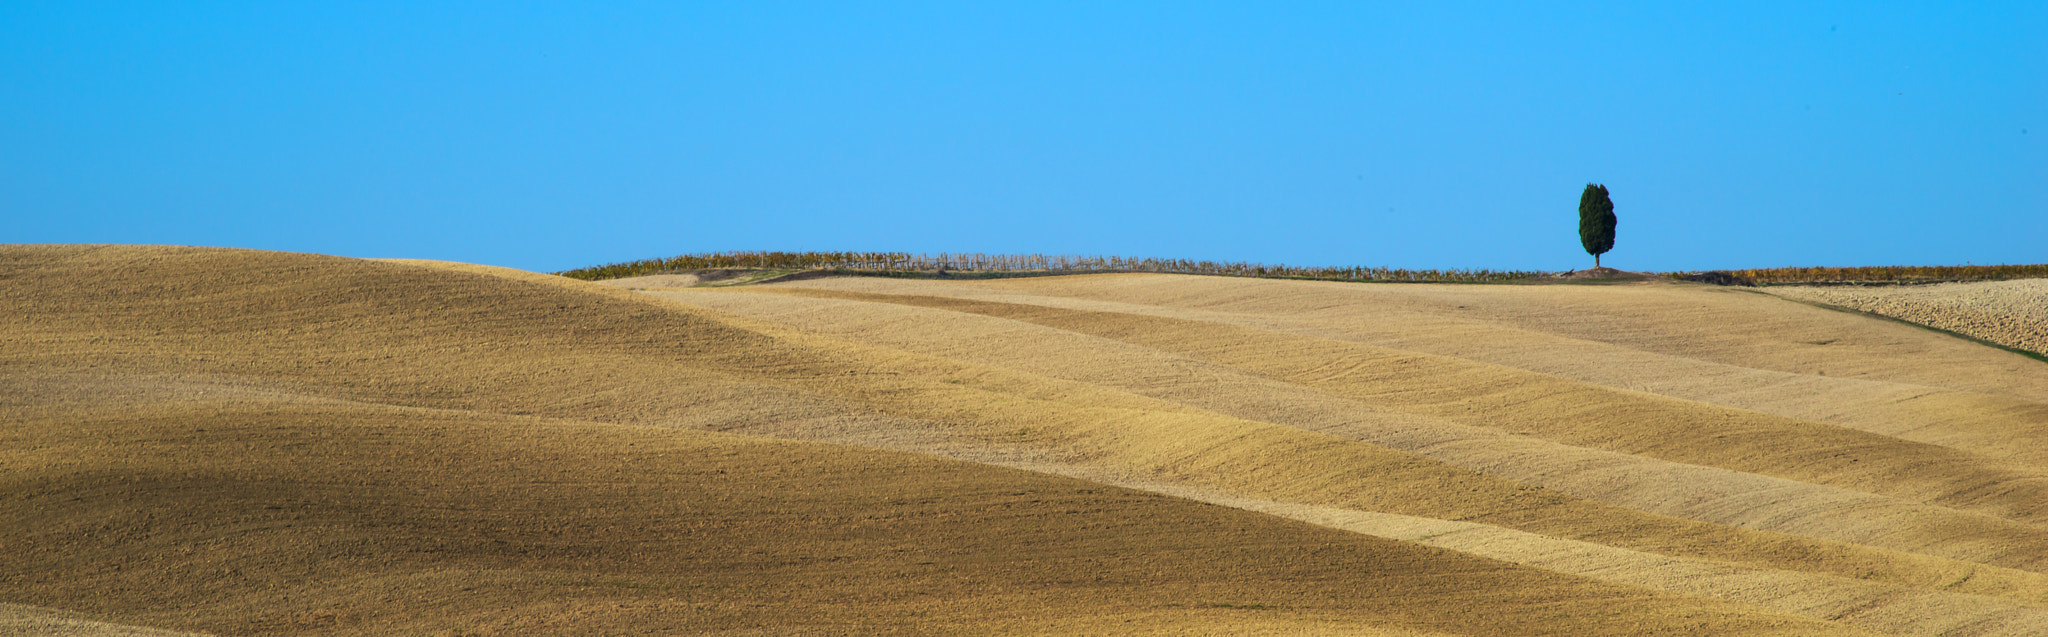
[[1596, 221]]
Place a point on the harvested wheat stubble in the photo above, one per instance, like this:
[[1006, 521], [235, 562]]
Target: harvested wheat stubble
[[261, 443], [1104, 331], [2009, 313], [249, 442], [1785, 358], [1466, 434]]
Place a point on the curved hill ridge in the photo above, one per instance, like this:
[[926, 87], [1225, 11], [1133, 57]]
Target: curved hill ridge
[[246, 442]]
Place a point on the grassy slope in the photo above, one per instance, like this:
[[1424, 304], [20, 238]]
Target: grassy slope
[[263, 443]]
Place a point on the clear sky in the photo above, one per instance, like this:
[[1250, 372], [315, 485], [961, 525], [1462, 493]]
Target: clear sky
[[1415, 134]]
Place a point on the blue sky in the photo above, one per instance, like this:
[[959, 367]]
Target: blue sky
[[1424, 134]]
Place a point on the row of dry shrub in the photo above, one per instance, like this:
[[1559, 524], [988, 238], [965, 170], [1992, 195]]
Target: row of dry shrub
[[1894, 274], [906, 262]]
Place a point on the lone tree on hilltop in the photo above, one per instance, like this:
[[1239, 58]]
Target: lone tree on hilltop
[[1596, 221]]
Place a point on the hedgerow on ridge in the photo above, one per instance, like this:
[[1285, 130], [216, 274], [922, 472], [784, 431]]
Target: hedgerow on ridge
[[904, 262], [1894, 274], [1019, 263]]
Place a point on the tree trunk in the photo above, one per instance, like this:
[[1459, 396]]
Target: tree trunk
[[1596, 262]]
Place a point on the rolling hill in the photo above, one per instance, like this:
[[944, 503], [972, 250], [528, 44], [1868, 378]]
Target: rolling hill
[[243, 442]]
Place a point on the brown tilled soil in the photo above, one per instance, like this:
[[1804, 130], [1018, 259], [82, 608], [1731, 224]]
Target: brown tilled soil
[[245, 442], [2010, 313]]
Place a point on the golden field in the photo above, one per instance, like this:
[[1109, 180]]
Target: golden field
[[254, 443]]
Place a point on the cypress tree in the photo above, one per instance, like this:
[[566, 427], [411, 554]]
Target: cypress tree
[[1596, 221]]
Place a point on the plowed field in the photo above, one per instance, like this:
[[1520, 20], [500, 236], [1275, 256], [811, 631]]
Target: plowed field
[[2009, 313]]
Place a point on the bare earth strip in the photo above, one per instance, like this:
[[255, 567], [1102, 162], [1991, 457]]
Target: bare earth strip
[[261, 443], [2010, 313]]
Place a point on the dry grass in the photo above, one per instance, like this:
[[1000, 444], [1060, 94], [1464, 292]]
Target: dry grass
[[261, 443]]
